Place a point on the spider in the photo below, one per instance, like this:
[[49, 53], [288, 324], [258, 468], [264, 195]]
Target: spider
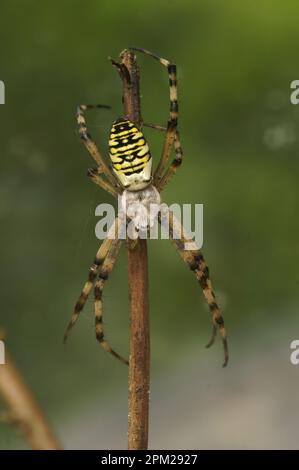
[[131, 178]]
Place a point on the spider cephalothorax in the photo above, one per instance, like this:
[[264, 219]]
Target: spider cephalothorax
[[133, 180]]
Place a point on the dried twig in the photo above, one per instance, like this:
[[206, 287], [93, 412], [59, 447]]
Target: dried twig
[[23, 410], [139, 368]]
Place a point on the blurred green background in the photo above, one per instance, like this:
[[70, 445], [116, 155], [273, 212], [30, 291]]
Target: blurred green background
[[240, 139]]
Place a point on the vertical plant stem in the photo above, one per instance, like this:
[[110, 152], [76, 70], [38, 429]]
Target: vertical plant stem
[[139, 367], [23, 410]]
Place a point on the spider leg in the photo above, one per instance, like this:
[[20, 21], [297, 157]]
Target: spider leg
[[92, 173], [177, 161], [94, 151], [103, 275], [93, 270], [196, 262], [173, 114]]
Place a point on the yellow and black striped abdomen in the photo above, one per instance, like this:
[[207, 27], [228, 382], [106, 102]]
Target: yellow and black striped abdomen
[[130, 154]]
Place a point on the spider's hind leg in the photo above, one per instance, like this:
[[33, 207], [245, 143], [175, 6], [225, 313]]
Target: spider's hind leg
[[111, 185], [176, 162], [173, 113], [171, 68]]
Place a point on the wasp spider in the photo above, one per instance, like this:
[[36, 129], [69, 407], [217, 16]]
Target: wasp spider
[[133, 180]]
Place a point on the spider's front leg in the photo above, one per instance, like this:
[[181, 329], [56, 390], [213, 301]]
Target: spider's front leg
[[93, 270], [106, 252], [196, 262], [103, 275]]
